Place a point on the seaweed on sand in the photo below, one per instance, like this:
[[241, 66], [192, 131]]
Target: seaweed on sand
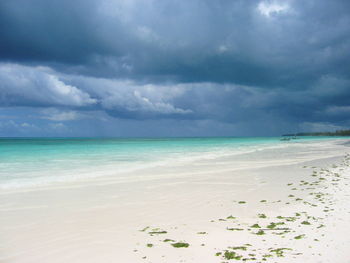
[[180, 244]]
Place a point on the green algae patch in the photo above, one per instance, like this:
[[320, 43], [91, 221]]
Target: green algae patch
[[239, 248], [242, 202], [291, 219], [305, 223], [157, 232], [260, 233], [262, 216], [299, 237], [180, 244], [282, 233], [273, 225], [202, 233], [279, 251], [234, 229], [232, 255], [168, 240], [263, 201], [255, 226], [149, 245], [230, 217], [144, 229]]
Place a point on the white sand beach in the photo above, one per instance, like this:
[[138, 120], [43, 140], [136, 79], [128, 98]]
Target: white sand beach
[[278, 205]]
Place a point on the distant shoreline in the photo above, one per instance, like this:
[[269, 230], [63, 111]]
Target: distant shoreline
[[336, 133]]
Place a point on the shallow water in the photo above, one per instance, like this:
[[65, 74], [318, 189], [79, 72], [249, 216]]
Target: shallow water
[[28, 162]]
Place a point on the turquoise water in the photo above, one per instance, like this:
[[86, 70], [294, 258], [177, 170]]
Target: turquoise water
[[32, 161]]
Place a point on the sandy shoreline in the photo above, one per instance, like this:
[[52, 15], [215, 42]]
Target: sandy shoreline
[[216, 214]]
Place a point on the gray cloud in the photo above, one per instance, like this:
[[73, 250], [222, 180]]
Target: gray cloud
[[44, 87]]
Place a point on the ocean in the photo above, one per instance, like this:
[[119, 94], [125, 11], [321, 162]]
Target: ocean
[[30, 162]]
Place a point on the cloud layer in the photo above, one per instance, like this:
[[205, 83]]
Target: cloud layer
[[192, 65]]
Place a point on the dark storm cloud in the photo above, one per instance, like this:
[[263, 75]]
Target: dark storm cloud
[[46, 31], [269, 43], [247, 63]]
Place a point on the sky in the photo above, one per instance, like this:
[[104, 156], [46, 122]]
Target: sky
[[125, 68]]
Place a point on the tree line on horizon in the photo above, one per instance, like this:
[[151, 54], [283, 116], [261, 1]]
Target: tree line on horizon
[[336, 133]]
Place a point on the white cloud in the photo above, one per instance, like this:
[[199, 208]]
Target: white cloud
[[43, 87], [18, 126], [269, 8], [222, 49], [25, 124], [147, 34], [56, 115], [133, 97], [37, 86], [136, 100], [57, 126]]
